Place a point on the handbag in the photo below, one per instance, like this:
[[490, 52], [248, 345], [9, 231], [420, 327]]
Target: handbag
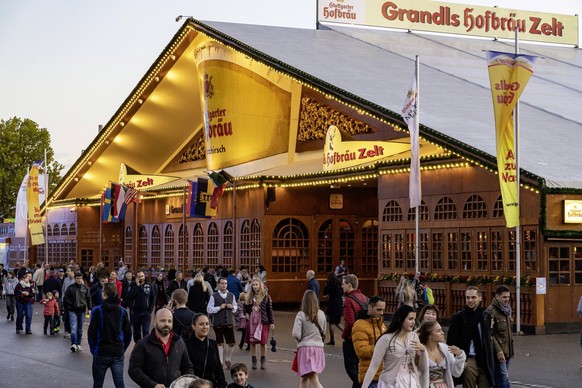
[[294, 366]]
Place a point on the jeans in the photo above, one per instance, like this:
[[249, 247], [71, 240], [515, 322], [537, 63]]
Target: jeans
[[38, 293], [140, 323], [23, 310], [76, 319], [10, 306], [501, 373], [373, 384], [351, 362], [100, 366]]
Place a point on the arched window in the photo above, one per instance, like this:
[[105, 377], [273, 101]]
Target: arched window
[[347, 243], [64, 231], [498, 208], [168, 247], [128, 251], [422, 211], [72, 230], [370, 246], [255, 246], [392, 212], [445, 209], [142, 254], [56, 230], [325, 247], [212, 245], [475, 207], [198, 246], [290, 247], [182, 246], [228, 245], [245, 243], [156, 255], [49, 230]]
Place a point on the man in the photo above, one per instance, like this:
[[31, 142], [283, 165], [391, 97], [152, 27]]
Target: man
[[109, 335], [77, 301], [96, 290], [177, 283], [312, 283], [54, 286], [160, 357], [70, 279], [222, 306], [121, 271], [341, 269], [500, 311], [141, 300], [114, 278], [126, 284], [233, 284], [244, 277], [353, 303], [470, 330], [20, 269], [38, 278], [365, 332], [182, 314], [209, 276]]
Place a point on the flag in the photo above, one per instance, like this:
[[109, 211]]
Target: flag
[[410, 113], [106, 206], [198, 200], [21, 210], [121, 196], [508, 77], [32, 200], [219, 179]]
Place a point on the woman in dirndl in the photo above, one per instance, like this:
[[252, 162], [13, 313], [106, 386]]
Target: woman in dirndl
[[400, 350], [259, 314], [309, 332]]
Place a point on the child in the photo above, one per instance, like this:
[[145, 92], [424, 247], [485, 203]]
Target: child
[[241, 319], [9, 285], [200, 383], [239, 374], [51, 307]]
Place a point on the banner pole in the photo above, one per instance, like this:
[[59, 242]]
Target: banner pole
[[28, 225], [518, 227], [417, 237], [46, 179]]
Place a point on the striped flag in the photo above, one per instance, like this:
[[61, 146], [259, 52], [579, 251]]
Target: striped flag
[[410, 113], [121, 197], [106, 206]]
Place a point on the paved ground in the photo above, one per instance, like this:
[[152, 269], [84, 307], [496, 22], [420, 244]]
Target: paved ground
[[44, 361]]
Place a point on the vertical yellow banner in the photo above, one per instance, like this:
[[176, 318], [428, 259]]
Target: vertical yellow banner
[[34, 215], [508, 76]]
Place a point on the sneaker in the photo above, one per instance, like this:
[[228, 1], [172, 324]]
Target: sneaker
[[79, 348], [73, 348], [67, 335], [18, 331], [29, 333], [57, 329]]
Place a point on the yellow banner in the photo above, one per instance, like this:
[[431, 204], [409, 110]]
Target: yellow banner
[[453, 18], [342, 151], [140, 182], [34, 215], [508, 76], [246, 107]]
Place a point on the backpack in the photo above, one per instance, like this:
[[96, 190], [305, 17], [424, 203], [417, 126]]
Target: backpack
[[363, 305], [428, 295]]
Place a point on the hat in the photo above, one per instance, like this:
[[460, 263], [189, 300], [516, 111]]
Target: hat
[[78, 274], [24, 274]]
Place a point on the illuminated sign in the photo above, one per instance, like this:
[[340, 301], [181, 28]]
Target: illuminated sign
[[572, 212]]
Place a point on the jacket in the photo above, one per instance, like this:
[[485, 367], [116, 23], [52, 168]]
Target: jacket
[[9, 286], [351, 310], [141, 298], [459, 335], [77, 298], [501, 330], [306, 333], [109, 332], [20, 288], [313, 285], [174, 285], [455, 366], [205, 360], [149, 366], [266, 308], [365, 333], [50, 307]]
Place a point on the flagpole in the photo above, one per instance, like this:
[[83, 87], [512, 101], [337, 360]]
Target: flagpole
[[417, 237], [46, 179], [27, 225], [184, 234], [101, 222], [518, 227]]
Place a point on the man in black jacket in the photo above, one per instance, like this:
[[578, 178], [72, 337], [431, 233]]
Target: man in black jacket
[[141, 302], [109, 336], [160, 357], [470, 330], [77, 301]]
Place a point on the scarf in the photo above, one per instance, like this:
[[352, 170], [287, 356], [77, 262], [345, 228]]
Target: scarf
[[25, 284], [504, 309]]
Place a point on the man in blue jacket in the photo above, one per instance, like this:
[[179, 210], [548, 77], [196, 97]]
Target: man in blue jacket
[[109, 336]]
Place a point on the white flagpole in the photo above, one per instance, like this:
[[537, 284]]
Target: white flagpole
[[518, 227], [417, 237], [46, 179], [27, 225]]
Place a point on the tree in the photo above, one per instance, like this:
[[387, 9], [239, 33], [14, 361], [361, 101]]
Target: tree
[[22, 142]]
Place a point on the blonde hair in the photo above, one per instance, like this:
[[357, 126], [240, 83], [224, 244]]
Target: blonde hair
[[200, 278], [259, 295], [310, 305]]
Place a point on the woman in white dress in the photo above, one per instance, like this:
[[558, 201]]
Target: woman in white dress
[[403, 355]]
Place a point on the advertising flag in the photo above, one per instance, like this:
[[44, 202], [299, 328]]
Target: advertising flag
[[199, 197], [508, 76], [34, 213], [410, 115], [21, 217]]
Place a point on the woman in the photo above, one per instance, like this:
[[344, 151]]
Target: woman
[[262, 274], [405, 292], [444, 361], [161, 297], [402, 353], [430, 312], [198, 295], [203, 351], [333, 291], [309, 332], [259, 313], [24, 293]]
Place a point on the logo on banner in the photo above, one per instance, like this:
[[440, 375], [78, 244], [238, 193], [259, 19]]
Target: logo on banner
[[208, 87]]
